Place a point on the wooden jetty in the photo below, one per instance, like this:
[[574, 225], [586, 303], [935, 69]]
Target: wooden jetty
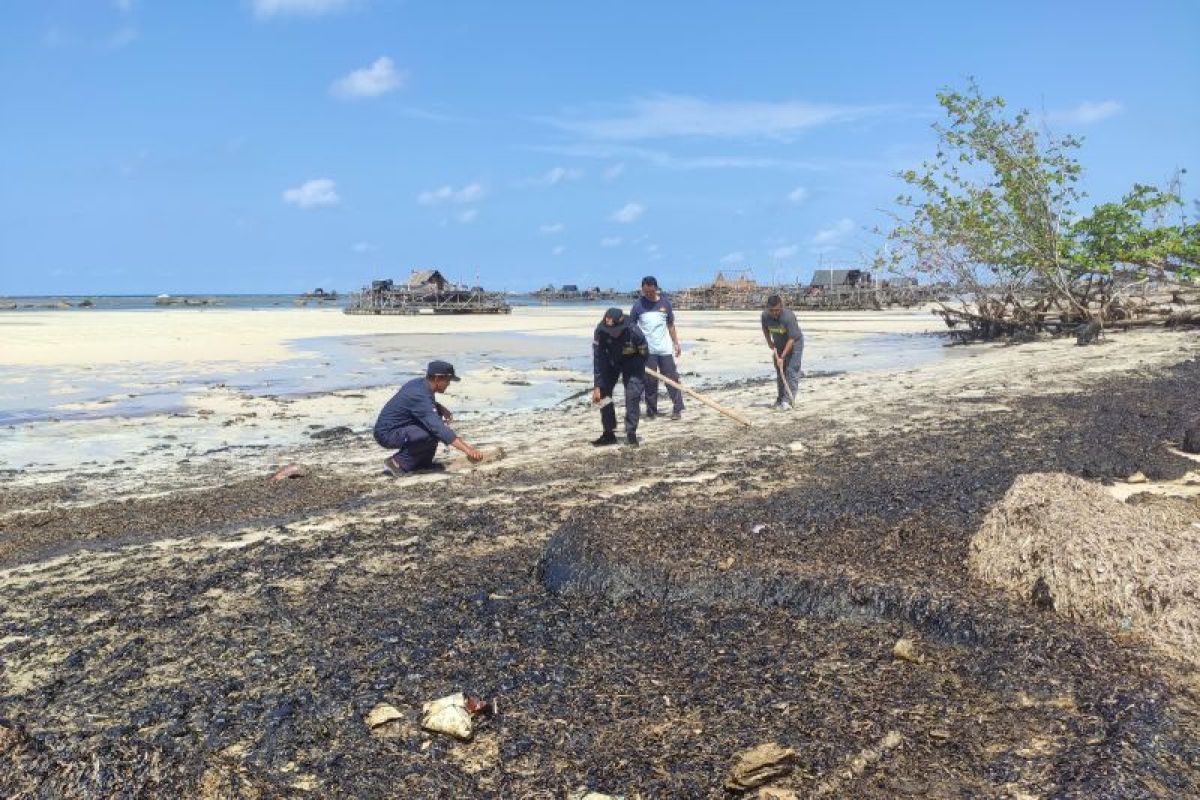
[[829, 290], [570, 292], [425, 292]]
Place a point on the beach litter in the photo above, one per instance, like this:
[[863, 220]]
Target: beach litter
[[452, 715], [584, 793], [759, 765], [382, 714], [290, 471]]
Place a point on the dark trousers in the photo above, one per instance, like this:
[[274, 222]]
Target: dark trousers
[[633, 381], [414, 445], [790, 372], [666, 366]]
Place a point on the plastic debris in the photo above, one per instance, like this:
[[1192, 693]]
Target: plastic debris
[[452, 714], [382, 714], [584, 793], [290, 471]]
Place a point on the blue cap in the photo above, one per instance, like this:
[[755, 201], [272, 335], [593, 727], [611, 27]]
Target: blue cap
[[442, 368]]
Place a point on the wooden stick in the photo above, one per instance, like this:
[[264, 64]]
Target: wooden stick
[[782, 377], [693, 393]]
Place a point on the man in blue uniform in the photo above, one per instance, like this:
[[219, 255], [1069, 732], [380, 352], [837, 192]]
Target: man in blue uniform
[[654, 316], [413, 422], [618, 353]]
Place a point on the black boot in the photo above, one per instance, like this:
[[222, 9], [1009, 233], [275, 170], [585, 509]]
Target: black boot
[[608, 438], [631, 439]]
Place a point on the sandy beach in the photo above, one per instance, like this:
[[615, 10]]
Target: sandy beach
[[119, 383], [197, 628]]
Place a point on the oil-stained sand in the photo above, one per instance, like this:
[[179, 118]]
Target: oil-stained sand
[[729, 591]]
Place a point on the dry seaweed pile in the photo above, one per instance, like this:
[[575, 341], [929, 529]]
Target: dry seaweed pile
[[762, 609], [1085, 554]]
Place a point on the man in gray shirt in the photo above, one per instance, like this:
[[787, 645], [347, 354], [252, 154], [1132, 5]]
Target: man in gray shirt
[[786, 341]]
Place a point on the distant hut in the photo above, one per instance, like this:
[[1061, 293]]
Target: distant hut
[[834, 280], [738, 292], [429, 279]]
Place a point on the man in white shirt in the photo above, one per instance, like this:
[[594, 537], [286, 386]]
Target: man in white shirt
[[655, 317]]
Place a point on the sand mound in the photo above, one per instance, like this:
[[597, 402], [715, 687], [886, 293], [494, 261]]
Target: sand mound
[[1063, 543]]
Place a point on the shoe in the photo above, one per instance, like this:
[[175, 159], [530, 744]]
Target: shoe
[[631, 439], [650, 415], [392, 466], [608, 438], [676, 415]]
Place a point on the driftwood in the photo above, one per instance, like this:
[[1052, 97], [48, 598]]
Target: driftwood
[[1086, 313]]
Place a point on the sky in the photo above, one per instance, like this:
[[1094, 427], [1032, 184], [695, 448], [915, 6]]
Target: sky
[[243, 146]]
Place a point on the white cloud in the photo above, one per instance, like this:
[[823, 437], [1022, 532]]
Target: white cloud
[[611, 241], [471, 193], [556, 176], [468, 216], [734, 258], [313, 194], [628, 212], [665, 116], [651, 249], [379, 78], [309, 8], [124, 6], [797, 195], [660, 158], [549, 229], [363, 247], [1086, 113], [834, 232], [614, 172], [558, 251], [787, 251]]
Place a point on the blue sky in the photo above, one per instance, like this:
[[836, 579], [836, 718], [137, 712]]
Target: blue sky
[[150, 146]]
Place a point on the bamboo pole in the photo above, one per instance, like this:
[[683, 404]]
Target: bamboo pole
[[694, 394]]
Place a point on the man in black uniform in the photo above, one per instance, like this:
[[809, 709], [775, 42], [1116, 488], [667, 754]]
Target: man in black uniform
[[618, 352]]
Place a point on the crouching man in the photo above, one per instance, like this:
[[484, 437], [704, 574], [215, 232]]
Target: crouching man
[[618, 353], [413, 423]]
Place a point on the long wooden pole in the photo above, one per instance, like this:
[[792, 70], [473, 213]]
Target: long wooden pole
[[782, 377], [729, 412]]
